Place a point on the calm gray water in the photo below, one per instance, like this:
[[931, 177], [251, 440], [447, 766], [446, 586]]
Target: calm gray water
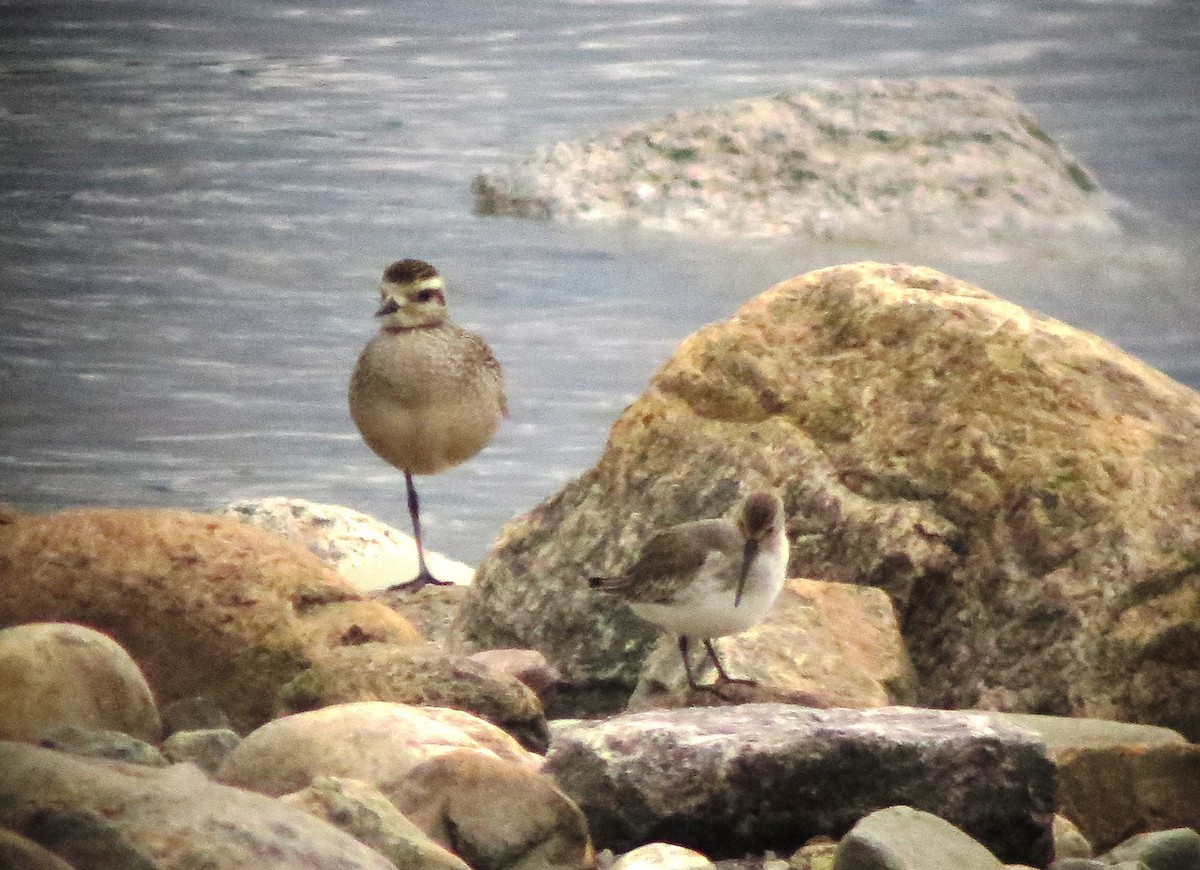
[[199, 197]]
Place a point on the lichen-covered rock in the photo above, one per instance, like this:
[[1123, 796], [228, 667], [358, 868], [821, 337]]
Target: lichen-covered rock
[[1176, 849], [836, 643], [207, 748], [953, 158], [102, 743], [57, 673], [206, 605], [1026, 493], [423, 676], [101, 815], [368, 553], [732, 780]]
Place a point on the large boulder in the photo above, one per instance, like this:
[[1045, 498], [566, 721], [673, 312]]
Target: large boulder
[[206, 605], [100, 815], [54, 674], [731, 780], [1026, 493]]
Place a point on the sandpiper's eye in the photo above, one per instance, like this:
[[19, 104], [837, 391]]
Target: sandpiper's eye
[[426, 295]]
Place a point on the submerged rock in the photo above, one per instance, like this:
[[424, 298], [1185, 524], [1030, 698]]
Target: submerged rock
[[857, 159]]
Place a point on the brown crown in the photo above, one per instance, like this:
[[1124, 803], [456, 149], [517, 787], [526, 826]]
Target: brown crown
[[408, 271]]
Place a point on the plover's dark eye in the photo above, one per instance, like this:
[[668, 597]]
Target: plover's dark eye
[[426, 295]]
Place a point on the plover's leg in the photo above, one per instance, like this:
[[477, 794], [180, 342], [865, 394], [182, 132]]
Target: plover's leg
[[423, 578], [722, 674]]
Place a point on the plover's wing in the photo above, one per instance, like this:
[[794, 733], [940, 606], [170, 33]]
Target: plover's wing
[[477, 360], [671, 560]]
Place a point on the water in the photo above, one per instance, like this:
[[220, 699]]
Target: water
[[197, 200]]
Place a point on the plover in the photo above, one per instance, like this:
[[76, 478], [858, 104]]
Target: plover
[[709, 578], [426, 394]]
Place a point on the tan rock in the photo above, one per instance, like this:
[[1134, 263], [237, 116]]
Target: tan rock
[[374, 741], [368, 553], [432, 609], [1026, 493], [108, 814], [1114, 779], [836, 644], [421, 676], [662, 856], [1111, 793], [495, 814], [19, 853], [363, 811], [205, 604], [1069, 841], [468, 785], [527, 665], [55, 674]]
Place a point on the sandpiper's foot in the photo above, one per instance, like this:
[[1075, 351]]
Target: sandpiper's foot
[[422, 580], [735, 681]]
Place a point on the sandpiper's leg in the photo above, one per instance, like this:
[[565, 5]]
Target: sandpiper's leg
[[687, 665], [423, 577], [722, 674]]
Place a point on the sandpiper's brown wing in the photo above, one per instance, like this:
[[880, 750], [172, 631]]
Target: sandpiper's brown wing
[[671, 558]]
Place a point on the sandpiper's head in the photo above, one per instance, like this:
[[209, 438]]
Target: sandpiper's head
[[760, 519], [761, 515], [412, 294]]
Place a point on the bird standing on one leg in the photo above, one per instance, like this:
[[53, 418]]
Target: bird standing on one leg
[[426, 394], [709, 578]]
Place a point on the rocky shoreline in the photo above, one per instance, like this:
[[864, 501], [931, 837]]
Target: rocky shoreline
[[991, 516]]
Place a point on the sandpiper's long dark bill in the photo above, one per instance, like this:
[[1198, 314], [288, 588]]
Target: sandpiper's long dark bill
[[709, 578], [426, 394]]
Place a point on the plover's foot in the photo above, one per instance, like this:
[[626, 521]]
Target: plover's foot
[[419, 582]]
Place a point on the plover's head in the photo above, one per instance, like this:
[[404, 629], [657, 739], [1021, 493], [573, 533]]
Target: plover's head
[[412, 294]]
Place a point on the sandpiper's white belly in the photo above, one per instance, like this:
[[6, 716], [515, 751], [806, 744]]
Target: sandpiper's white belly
[[705, 607]]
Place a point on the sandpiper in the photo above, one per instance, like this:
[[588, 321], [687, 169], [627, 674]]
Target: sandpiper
[[709, 578], [426, 394]]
